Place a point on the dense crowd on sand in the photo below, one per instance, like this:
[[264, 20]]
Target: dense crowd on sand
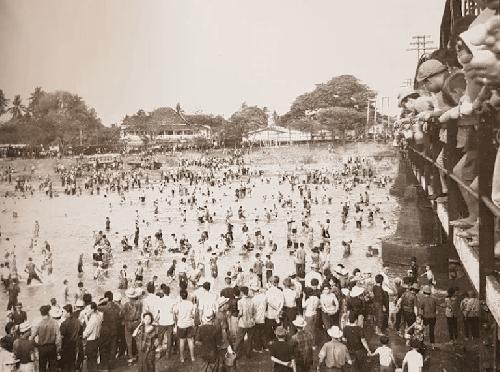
[[316, 315]]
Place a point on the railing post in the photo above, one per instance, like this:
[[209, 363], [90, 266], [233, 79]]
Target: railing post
[[486, 159]]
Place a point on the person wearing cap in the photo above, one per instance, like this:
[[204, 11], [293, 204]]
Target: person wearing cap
[[433, 75], [356, 305], [49, 340], [24, 348], [427, 307], [282, 353], [275, 301], [408, 305], [334, 353], [18, 314], [131, 312], [302, 343]]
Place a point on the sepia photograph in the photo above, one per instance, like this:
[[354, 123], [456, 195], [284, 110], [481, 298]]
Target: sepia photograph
[[250, 186]]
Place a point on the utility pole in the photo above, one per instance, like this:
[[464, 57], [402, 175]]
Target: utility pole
[[386, 125], [421, 45]]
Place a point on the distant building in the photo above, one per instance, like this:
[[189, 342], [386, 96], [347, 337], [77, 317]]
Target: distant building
[[164, 126], [275, 135]]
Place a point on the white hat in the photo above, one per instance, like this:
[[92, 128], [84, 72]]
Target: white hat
[[117, 296], [335, 332], [299, 321], [345, 291], [24, 327], [131, 293], [356, 291]]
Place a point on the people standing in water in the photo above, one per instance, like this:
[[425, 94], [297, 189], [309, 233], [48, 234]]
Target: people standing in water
[[32, 271]]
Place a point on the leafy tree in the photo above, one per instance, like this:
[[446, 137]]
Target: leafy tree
[[246, 119], [4, 103], [341, 91], [341, 119], [17, 109]]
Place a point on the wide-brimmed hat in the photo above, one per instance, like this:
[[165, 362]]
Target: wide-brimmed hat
[[356, 291], [345, 291], [25, 327], [299, 322], [335, 332], [426, 289], [131, 293], [280, 331], [222, 301], [139, 292], [415, 286]]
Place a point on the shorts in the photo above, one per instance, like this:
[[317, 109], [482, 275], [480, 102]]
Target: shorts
[[185, 332]]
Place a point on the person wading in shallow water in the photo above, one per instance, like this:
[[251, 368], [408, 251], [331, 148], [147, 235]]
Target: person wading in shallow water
[[32, 271]]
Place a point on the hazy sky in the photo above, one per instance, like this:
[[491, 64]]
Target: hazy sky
[[210, 55]]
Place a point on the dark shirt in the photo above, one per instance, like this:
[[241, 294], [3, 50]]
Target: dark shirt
[[427, 306], [70, 332], [302, 343], [284, 352], [19, 317], [111, 318], [209, 336], [23, 349], [227, 292], [355, 305], [353, 335]]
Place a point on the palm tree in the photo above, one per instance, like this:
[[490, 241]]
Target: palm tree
[[17, 109], [4, 102], [34, 98]]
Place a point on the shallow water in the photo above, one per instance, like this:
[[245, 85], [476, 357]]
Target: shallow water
[[68, 222]]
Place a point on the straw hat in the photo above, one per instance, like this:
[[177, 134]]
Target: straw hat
[[415, 287], [335, 332], [280, 331], [299, 322], [139, 292], [131, 293], [345, 292], [25, 327], [356, 291], [427, 289]]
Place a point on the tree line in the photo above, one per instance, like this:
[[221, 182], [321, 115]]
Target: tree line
[[60, 117]]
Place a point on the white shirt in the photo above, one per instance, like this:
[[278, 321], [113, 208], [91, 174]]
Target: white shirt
[[329, 303], [414, 361], [385, 355], [260, 303], [311, 306], [207, 303], [275, 300], [166, 306], [150, 304], [185, 314], [289, 296]]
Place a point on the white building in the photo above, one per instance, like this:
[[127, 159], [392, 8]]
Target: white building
[[275, 135]]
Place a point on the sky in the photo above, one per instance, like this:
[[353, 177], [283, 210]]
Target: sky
[[124, 55]]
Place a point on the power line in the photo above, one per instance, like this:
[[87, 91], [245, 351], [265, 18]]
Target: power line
[[407, 83], [421, 45]]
